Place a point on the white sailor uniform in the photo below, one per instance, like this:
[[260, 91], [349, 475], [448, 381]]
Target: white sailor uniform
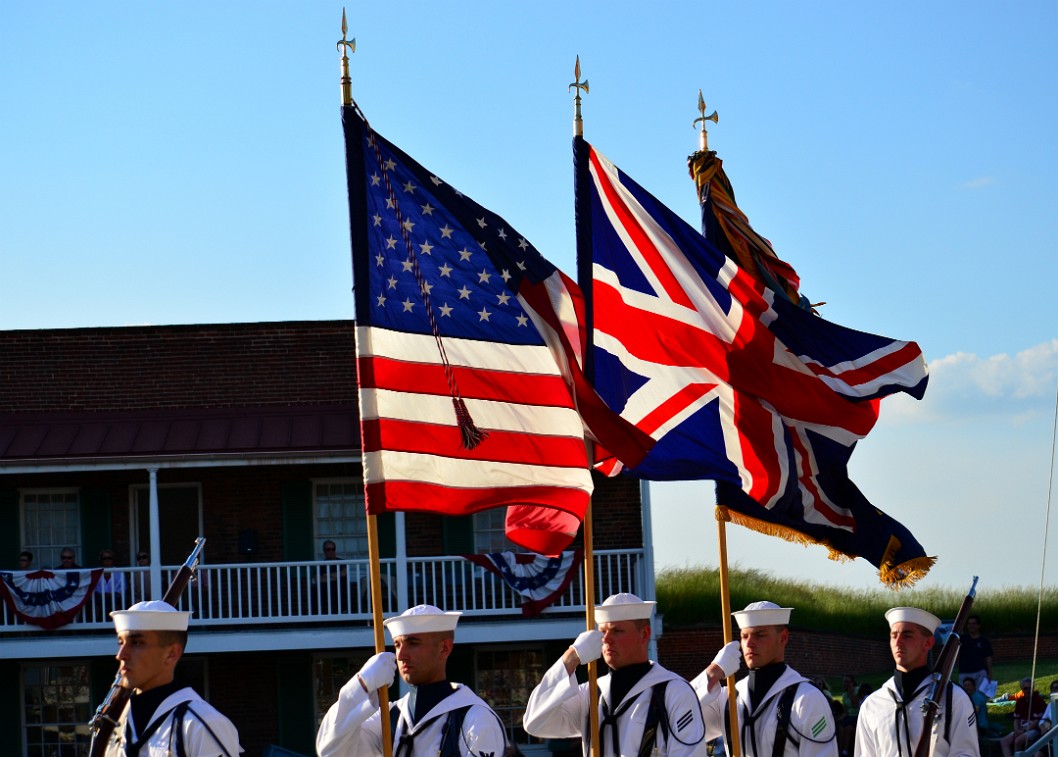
[[353, 726], [888, 727], [811, 730], [558, 708], [202, 730]]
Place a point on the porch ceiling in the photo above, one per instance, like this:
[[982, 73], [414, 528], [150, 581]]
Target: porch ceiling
[[305, 430]]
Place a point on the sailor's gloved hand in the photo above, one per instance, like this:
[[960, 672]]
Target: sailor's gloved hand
[[588, 646], [378, 671], [728, 658]]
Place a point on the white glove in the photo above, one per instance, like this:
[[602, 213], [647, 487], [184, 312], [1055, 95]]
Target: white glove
[[588, 646], [728, 658], [378, 671]]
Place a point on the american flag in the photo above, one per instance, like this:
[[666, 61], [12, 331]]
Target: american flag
[[451, 301], [732, 382]]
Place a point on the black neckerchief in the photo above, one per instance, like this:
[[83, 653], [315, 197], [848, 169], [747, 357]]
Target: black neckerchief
[[143, 705], [622, 681], [907, 683], [761, 680], [428, 696]]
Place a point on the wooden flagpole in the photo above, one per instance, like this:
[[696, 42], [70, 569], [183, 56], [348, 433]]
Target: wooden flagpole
[[589, 615], [374, 565], [375, 574], [722, 517]]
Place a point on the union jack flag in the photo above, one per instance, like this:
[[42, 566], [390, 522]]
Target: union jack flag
[[730, 381], [455, 309]]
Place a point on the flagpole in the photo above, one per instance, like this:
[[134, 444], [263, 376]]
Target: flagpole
[[589, 616], [373, 559], [589, 554], [375, 574], [722, 517]]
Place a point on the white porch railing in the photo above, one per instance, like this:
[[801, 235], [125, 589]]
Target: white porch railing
[[318, 592]]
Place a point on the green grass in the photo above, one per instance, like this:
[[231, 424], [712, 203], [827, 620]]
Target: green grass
[[690, 596]]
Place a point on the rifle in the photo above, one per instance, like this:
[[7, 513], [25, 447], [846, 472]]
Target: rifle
[[109, 711], [941, 673]]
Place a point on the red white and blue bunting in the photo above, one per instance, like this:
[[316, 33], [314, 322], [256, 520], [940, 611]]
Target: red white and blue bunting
[[539, 579], [46, 598]]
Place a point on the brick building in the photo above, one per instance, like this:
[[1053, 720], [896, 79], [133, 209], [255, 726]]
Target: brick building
[[140, 439]]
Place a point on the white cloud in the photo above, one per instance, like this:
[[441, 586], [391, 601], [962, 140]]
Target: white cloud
[[979, 183], [963, 385]]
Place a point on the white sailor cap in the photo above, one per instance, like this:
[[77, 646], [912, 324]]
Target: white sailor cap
[[927, 620], [623, 606], [762, 614], [421, 619], [153, 615]]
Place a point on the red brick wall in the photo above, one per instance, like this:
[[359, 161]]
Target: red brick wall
[[135, 368]]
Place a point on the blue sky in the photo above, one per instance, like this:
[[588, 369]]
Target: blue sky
[[181, 163]]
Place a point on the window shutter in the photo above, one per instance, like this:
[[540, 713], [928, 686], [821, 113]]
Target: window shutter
[[458, 534], [96, 533], [10, 529], [387, 534], [297, 520]]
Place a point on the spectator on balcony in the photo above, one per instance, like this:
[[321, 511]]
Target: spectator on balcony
[[331, 583], [780, 711], [110, 591], [436, 718], [141, 580], [25, 560], [66, 560], [642, 706], [163, 717]]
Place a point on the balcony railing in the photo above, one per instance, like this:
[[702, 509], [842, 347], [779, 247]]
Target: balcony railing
[[315, 592]]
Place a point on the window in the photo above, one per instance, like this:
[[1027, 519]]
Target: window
[[51, 522], [329, 674], [505, 678], [56, 710], [340, 518], [490, 534]]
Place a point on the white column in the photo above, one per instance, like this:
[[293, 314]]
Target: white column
[[647, 568], [155, 536], [402, 563]]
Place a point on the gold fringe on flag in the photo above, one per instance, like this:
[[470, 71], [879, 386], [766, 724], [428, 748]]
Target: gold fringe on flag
[[894, 576]]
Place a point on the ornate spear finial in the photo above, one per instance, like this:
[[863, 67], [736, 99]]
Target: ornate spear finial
[[346, 46], [578, 124], [703, 137]]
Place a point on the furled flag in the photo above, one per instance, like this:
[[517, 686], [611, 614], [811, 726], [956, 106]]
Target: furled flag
[[467, 346], [727, 227], [49, 599], [538, 579], [732, 382]]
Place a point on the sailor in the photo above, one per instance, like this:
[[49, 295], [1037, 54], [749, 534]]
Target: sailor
[[780, 712], [643, 708], [163, 718], [890, 719], [435, 717]]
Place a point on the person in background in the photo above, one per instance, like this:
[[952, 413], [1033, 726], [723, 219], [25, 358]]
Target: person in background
[[985, 729], [1029, 709], [66, 560], [110, 591], [975, 655], [25, 560]]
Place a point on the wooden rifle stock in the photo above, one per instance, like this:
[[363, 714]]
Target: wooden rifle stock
[[109, 711], [941, 674]]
